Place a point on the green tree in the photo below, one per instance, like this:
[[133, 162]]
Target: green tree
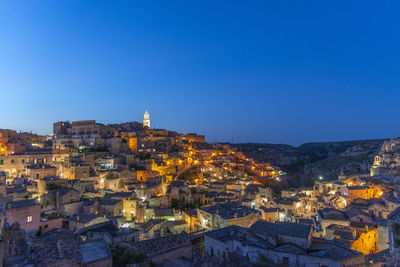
[[122, 256]]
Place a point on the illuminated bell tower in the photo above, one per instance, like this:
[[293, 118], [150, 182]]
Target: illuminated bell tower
[[146, 120]]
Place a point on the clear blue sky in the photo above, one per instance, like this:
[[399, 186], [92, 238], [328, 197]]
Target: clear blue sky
[[257, 71]]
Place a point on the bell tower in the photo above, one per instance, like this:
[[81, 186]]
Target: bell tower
[[146, 120]]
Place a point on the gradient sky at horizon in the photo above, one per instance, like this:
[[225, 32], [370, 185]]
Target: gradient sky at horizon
[[248, 71]]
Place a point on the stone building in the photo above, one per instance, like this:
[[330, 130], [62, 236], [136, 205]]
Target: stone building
[[40, 171], [51, 183], [3, 185], [270, 214], [143, 175], [60, 248], [76, 169], [394, 230], [87, 129], [14, 250], [67, 143], [359, 191], [387, 162], [129, 203], [111, 207], [109, 233], [364, 240], [193, 138], [288, 244], [158, 250], [284, 232], [226, 214], [131, 140], [15, 165], [82, 220], [25, 212], [60, 201], [330, 216]]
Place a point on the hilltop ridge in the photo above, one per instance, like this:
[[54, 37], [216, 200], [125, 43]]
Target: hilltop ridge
[[306, 163]]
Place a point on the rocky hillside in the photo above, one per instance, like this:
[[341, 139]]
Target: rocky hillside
[[305, 163]]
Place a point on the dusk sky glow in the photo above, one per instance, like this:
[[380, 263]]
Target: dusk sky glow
[[248, 71]]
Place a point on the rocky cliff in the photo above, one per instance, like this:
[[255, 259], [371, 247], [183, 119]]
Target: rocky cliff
[[387, 162]]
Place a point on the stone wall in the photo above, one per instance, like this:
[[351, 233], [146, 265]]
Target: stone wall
[[367, 242], [21, 216]]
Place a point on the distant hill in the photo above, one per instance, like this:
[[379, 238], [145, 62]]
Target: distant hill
[[305, 163]]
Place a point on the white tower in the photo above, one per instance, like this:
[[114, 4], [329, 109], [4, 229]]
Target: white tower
[[146, 120]]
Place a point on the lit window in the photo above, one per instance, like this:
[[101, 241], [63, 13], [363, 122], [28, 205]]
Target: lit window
[[29, 219]]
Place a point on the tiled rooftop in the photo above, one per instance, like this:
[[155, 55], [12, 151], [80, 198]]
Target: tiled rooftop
[[93, 251], [332, 214], [55, 246], [229, 210], [84, 217], [330, 249], [22, 203], [62, 191], [264, 228], [159, 245]]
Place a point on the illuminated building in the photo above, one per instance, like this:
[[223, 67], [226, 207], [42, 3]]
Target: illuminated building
[[132, 141], [363, 240], [146, 120], [226, 214], [364, 192]]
